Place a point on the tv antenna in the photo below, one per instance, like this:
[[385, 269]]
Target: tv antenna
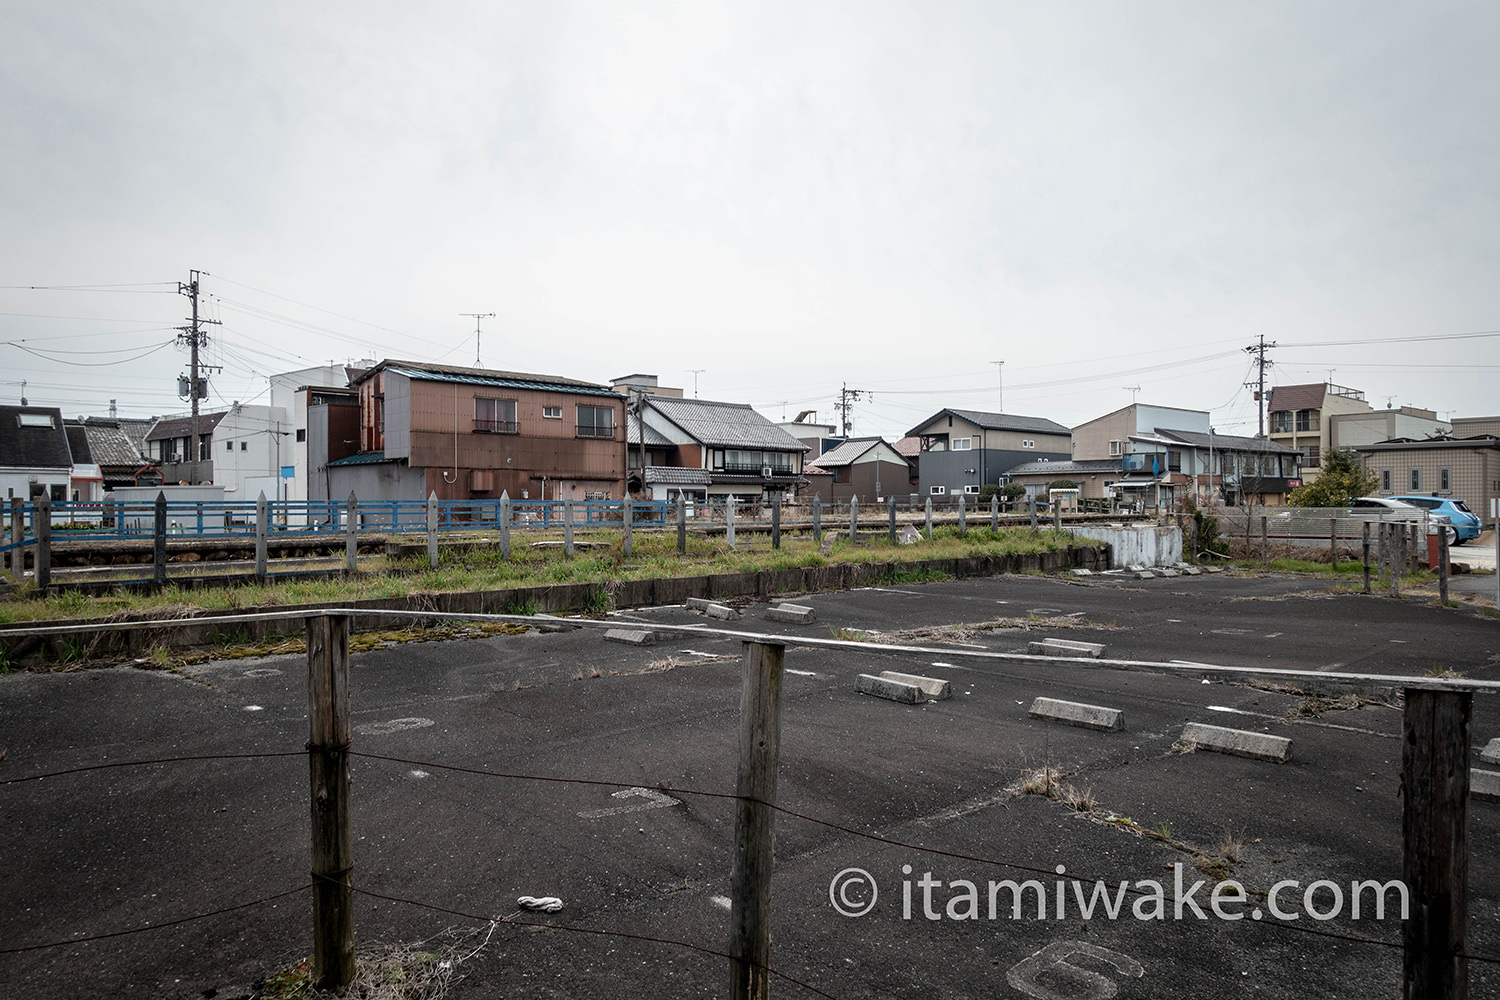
[[696, 372], [1000, 370], [477, 318], [1134, 390]]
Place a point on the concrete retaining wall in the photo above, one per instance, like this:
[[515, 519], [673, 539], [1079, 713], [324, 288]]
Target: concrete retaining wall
[[30, 650], [1137, 544]]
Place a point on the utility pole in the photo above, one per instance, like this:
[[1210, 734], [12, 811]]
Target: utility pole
[[1258, 350], [1000, 370], [847, 396], [477, 318], [196, 384]]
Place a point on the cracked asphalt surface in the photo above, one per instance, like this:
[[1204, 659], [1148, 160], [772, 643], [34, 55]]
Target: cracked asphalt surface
[[115, 849]]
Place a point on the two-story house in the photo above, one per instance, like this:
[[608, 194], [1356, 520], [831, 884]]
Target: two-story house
[[1301, 417], [702, 449], [474, 433], [35, 459], [869, 468], [962, 450]]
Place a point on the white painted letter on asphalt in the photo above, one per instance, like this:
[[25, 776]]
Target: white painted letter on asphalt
[[654, 800]]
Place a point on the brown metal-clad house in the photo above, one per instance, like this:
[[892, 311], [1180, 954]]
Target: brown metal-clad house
[[474, 433], [868, 468]]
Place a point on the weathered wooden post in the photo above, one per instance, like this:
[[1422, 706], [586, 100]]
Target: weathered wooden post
[[755, 822], [854, 518], [1414, 547], [1443, 565], [1396, 546], [1333, 542], [17, 536], [1434, 838], [729, 521], [351, 534], [328, 771], [994, 511], [928, 512], [432, 528], [627, 513], [262, 528], [1057, 515], [890, 506], [817, 512], [681, 523], [776, 520], [159, 541], [1364, 546], [505, 526], [43, 544], [963, 515], [1031, 500], [1265, 539], [568, 527]]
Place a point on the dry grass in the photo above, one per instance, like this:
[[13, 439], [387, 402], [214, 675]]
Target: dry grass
[[426, 970]]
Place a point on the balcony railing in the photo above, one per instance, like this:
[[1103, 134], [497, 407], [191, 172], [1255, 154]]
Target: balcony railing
[[593, 431], [496, 426]]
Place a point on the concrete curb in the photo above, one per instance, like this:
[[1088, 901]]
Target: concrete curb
[[1257, 746], [630, 637], [1074, 713], [1065, 647], [881, 687], [932, 687], [1491, 752], [1484, 785], [796, 613]]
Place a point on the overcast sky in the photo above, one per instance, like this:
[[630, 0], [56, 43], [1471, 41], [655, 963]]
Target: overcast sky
[[790, 197]]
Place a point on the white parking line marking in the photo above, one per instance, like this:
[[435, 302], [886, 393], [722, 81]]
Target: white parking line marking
[[654, 800], [391, 726]]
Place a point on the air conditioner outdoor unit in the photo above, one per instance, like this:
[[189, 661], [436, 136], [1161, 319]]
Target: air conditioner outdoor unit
[[765, 472]]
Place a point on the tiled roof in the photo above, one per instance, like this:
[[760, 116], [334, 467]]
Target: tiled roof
[[178, 427], [33, 447], [673, 475], [1296, 397], [724, 425], [847, 452], [909, 446], [999, 422], [654, 437], [487, 377], [78, 444], [111, 445], [1228, 442]]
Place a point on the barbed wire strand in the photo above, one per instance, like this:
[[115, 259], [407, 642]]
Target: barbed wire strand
[[158, 760], [590, 930], [155, 927]]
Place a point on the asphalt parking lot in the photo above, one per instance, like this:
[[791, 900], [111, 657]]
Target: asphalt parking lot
[[882, 786]]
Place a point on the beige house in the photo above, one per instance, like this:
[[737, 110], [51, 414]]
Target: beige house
[[1349, 430], [1303, 417], [1465, 427], [1467, 469], [1109, 436]]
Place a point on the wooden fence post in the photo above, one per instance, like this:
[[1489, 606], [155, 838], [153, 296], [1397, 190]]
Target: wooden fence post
[[1364, 545], [568, 527], [1434, 838], [43, 544], [262, 527], [994, 511], [1057, 515], [1333, 542], [432, 529], [776, 521], [159, 535], [505, 527], [627, 517], [351, 534], [681, 523], [1443, 565], [1265, 539], [17, 535], [729, 521], [1031, 500], [755, 822], [854, 518], [928, 510], [817, 513], [890, 505], [963, 515], [328, 770]]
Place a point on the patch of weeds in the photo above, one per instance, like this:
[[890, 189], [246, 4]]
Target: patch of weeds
[[1163, 830], [851, 634], [599, 603], [1439, 671], [160, 656], [526, 607], [1074, 799], [424, 971], [1317, 705], [73, 650], [1043, 781]]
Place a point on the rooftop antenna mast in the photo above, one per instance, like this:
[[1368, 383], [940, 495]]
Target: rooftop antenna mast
[[1134, 391], [477, 318], [696, 372], [1000, 370]]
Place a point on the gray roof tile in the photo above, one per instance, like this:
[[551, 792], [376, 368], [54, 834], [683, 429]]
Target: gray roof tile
[[724, 425]]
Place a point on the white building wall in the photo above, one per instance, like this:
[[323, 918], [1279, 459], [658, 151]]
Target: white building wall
[[286, 397], [245, 446]]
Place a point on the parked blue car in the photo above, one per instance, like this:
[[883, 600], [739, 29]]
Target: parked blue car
[[1465, 523]]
